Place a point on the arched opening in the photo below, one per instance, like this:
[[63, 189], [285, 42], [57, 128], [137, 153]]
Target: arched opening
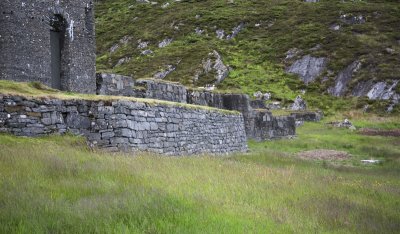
[[57, 34]]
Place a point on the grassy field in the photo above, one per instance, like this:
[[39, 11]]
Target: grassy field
[[57, 185]]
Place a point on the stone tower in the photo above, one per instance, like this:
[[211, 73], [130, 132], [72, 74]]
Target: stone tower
[[50, 41]]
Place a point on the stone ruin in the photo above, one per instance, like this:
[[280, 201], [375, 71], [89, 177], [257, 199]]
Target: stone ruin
[[53, 42], [260, 124], [49, 41]]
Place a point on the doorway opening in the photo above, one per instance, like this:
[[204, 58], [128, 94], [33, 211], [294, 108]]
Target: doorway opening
[[57, 38]]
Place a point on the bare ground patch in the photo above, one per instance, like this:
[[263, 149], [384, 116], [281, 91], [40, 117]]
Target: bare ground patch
[[324, 154], [380, 132]]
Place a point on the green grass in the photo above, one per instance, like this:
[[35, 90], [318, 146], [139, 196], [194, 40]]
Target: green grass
[[257, 54], [57, 185]]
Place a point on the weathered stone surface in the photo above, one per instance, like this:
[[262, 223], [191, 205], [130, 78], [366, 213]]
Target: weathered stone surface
[[261, 125], [112, 84], [308, 68], [298, 104], [309, 116], [343, 78], [25, 40], [165, 129], [382, 91], [168, 91], [175, 92]]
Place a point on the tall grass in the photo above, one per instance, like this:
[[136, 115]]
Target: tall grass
[[57, 185]]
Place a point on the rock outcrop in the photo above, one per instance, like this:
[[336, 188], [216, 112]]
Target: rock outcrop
[[343, 78], [308, 68]]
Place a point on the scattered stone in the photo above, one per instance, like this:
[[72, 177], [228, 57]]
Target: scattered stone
[[345, 124], [220, 34], [258, 95], [299, 104], [165, 5], [146, 52], [335, 27], [123, 41], [390, 50], [214, 63], [199, 31], [122, 61], [165, 72], [142, 44], [274, 106], [351, 19], [235, 31], [165, 43], [371, 161]]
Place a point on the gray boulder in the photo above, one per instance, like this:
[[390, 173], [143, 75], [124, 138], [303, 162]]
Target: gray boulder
[[308, 68], [299, 104]]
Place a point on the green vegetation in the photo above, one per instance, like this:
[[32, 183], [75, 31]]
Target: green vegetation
[[257, 54], [38, 90], [58, 185]]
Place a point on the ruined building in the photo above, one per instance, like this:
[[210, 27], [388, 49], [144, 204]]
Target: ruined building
[[50, 41]]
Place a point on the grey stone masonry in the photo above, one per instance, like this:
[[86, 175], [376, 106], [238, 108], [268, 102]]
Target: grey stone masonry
[[112, 84], [254, 119], [309, 116], [52, 42], [163, 90], [127, 125], [262, 125]]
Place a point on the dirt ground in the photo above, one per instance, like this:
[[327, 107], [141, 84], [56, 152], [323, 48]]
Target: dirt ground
[[324, 154], [380, 132]]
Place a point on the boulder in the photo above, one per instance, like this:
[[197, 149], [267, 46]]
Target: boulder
[[308, 68], [299, 104]]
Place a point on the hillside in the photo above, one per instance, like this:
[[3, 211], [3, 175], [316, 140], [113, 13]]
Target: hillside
[[333, 48]]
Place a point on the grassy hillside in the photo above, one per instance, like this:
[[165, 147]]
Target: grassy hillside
[[257, 54], [58, 185]]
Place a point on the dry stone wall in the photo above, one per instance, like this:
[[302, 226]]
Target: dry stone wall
[[127, 125], [257, 125], [162, 90], [112, 84]]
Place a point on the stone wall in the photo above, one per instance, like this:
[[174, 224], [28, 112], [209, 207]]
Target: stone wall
[[256, 125], [162, 90], [205, 98], [127, 125], [25, 42], [112, 84], [309, 116], [262, 125]]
